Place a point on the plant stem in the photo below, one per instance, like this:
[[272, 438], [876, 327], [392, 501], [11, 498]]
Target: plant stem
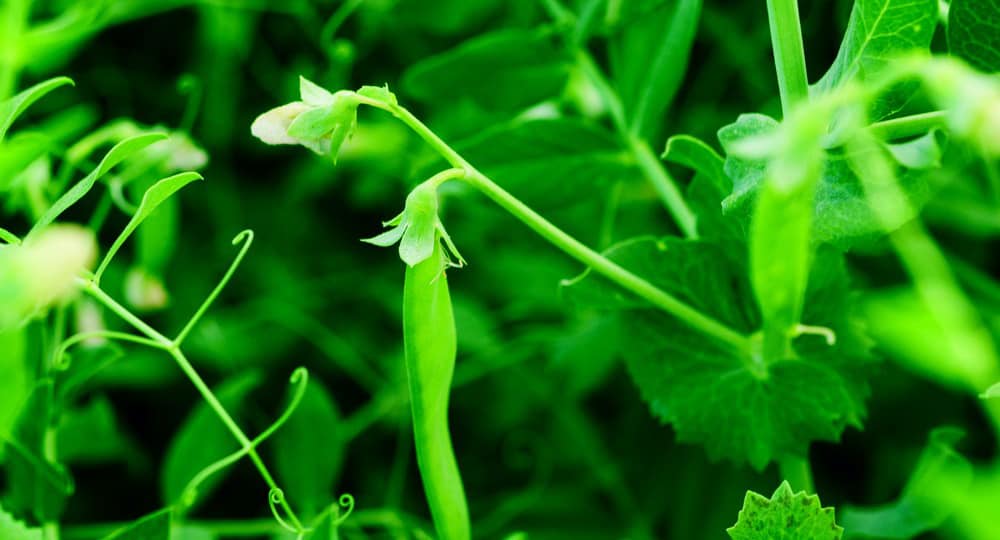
[[206, 393], [571, 246], [789, 55], [13, 16], [908, 126], [797, 472]]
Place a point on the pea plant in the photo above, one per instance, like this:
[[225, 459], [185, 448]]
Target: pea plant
[[776, 306]]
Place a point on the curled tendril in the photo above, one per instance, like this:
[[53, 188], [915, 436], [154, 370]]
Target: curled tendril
[[62, 359], [246, 238], [275, 499], [190, 85], [300, 378], [346, 500]]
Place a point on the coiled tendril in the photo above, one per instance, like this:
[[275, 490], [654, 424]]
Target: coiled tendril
[[299, 378]]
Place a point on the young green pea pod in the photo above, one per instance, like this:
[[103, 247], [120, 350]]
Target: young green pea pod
[[430, 344]]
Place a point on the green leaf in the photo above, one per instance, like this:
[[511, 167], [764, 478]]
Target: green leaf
[[550, 163], [916, 511], [16, 530], [379, 93], [698, 385], [785, 516], [991, 392], [155, 526], [14, 383], [116, 155], [90, 434], [309, 450], [878, 31], [506, 70], [974, 33], [36, 485], [151, 200], [13, 107], [649, 56], [842, 215], [695, 154], [203, 439], [924, 152]]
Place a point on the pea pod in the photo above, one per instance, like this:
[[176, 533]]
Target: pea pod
[[430, 345]]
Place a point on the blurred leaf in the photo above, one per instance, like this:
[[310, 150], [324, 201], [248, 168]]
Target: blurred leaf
[[973, 30], [991, 392], [505, 70], [551, 163], [916, 511], [11, 529], [698, 384], [37, 487], [842, 214], [90, 434], [878, 31], [203, 439], [785, 515], [924, 152], [309, 450], [13, 107], [649, 56], [14, 383], [116, 155], [903, 325], [155, 526]]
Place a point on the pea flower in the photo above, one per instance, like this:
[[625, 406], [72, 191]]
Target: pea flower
[[417, 228], [321, 121]]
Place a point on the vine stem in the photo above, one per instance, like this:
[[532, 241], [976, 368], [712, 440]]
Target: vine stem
[[173, 349], [797, 471], [789, 54], [557, 237]]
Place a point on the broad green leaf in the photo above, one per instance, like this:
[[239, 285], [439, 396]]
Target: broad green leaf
[[36, 485], [13, 107], [916, 511], [155, 195], [14, 383], [974, 33], [551, 163], [116, 155], [309, 450], [11, 529], [155, 526], [90, 434], [878, 31], [697, 384], [506, 70], [649, 56], [785, 516], [203, 439], [842, 215]]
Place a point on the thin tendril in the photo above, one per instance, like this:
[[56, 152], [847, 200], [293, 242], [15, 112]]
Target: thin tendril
[[190, 85], [246, 237], [300, 378], [276, 498], [345, 501], [62, 360]]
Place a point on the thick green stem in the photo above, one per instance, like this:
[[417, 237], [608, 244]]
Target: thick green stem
[[798, 473], [908, 126], [571, 246], [206, 393], [789, 55]]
